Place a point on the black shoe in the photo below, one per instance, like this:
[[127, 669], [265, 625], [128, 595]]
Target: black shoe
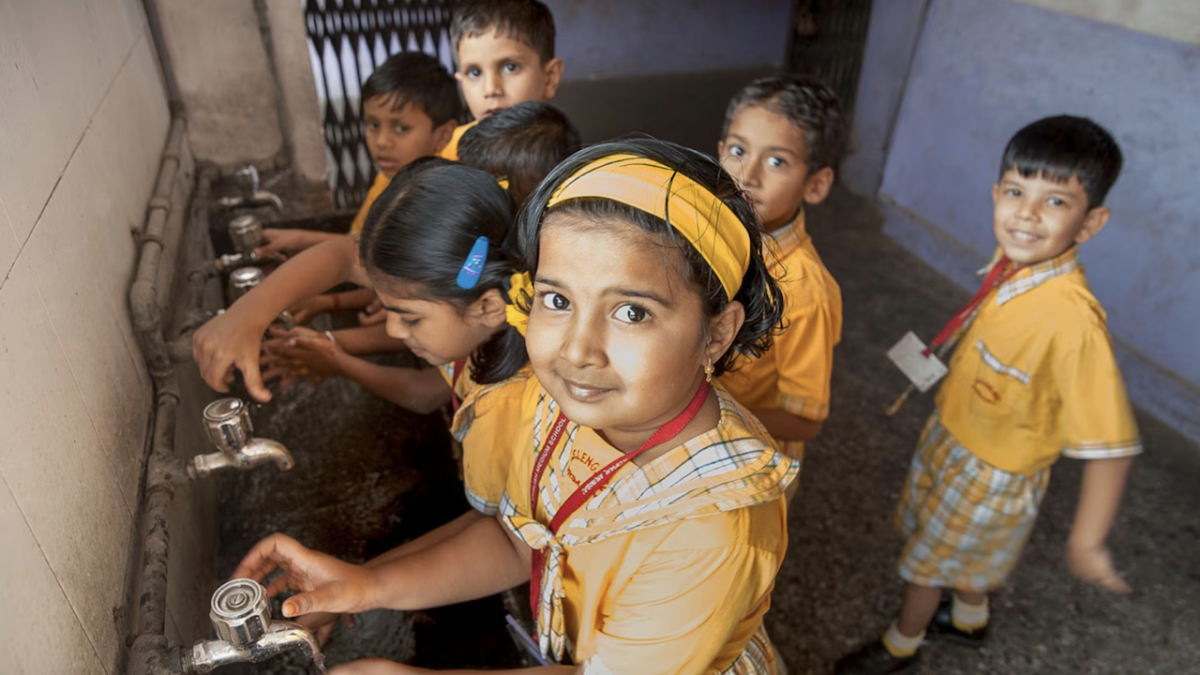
[[942, 627], [874, 659]]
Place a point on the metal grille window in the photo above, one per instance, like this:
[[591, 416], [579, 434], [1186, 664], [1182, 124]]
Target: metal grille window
[[347, 41], [828, 40]]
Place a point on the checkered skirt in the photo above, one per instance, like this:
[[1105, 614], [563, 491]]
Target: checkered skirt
[[966, 521]]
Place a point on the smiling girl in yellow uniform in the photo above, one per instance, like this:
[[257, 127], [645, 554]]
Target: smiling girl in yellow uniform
[[648, 279]]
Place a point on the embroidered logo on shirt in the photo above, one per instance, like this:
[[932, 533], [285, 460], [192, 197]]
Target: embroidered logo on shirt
[[986, 392], [579, 474]]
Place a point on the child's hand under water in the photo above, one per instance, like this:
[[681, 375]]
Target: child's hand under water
[[306, 310], [372, 314], [300, 354]]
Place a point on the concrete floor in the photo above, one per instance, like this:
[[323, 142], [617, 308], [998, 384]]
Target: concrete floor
[[838, 586]]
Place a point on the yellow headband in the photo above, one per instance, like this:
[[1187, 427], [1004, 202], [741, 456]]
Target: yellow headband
[[712, 227]]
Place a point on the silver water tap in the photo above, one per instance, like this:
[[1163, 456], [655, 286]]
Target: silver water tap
[[228, 423], [241, 617], [232, 261], [242, 280], [248, 174], [246, 232], [251, 201]]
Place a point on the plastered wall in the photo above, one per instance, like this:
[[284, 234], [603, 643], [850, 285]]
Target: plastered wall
[[938, 103], [600, 39], [83, 119]]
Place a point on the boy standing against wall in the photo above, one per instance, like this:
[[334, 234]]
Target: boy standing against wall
[[1034, 377]]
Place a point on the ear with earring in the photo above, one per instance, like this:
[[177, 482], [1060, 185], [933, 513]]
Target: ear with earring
[[708, 372]]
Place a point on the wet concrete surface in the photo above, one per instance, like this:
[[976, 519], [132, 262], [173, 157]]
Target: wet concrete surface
[[838, 586]]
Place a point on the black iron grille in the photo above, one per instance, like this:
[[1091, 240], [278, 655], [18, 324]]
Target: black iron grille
[[347, 40]]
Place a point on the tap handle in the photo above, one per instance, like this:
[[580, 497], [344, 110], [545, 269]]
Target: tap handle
[[240, 612], [249, 174], [228, 423]]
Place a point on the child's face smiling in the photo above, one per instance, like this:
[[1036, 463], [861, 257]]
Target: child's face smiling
[[397, 136], [1036, 219], [767, 154], [615, 334], [498, 72]]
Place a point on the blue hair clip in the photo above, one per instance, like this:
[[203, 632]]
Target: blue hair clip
[[468, 276]]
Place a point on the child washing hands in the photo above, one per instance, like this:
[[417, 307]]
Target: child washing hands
[[645, 505]]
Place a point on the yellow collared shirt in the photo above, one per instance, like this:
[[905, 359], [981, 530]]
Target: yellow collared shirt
[[486, 423], [1034, 375], [450, 152], [664, 596], [794, 374]]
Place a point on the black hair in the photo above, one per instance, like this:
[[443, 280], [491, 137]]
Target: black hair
[[528, 21], [417, 78], [809, 104], [1056, 148], [421, 230], [759, 293], [521, 144]]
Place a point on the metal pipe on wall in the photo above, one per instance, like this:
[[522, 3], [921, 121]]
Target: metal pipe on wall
[[164, 471]]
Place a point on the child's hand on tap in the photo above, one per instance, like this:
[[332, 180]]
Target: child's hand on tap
[[227, 342]]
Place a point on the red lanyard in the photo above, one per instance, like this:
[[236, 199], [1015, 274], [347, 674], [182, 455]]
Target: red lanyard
[[598, 480], [456, 372], [1002, 271]]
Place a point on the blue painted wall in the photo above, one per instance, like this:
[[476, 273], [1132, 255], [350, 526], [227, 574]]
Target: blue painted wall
[[982, 69], [628, 38]]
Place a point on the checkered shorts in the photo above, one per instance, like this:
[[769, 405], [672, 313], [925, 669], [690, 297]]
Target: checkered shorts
[[966, 521]]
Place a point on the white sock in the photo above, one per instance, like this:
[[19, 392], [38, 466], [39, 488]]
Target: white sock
[[900, 645], [969, 617]]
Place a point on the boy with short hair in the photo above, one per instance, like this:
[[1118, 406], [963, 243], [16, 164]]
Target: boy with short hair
[[1034, 378], [520, 145], [505, 55], [410, 109], [782, 137]]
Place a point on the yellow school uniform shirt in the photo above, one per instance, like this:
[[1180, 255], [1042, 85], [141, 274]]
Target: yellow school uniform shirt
[[451, 150], [486, 424], [1034, 375], [794, 374], [377, 188], [669, 568]]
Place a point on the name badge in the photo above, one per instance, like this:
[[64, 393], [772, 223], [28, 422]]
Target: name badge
[[921, 368]]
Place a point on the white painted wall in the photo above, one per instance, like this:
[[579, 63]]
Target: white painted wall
[[83, 119]]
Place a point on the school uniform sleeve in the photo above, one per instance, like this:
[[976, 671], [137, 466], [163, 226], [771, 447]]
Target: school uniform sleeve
[[687, 603], [1096, 418], [489, 446], [805, 359]]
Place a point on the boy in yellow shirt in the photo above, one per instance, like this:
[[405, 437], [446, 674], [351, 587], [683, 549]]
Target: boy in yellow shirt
[[410, 109], [1034, 378], [505, 55], [781, 139]]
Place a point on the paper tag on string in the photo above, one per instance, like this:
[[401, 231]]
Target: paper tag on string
[[922, 370]]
